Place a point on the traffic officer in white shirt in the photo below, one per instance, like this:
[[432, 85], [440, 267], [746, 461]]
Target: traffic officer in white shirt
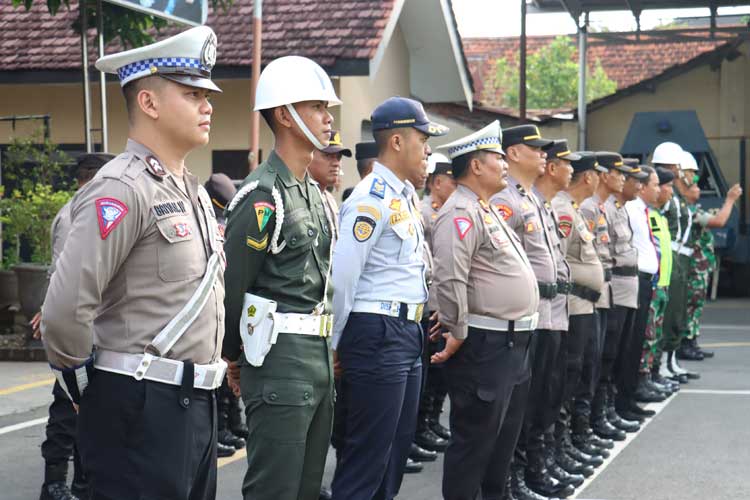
[[648, 267], [379, 297]]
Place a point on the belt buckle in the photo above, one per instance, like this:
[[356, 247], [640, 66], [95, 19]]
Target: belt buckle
[[395, 308], [325, 325], [418, 313]]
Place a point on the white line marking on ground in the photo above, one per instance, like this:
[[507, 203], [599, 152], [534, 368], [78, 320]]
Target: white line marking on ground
[[716, 391], [726, 327], [23, 425], [621, 445]]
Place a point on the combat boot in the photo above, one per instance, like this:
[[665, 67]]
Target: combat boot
[[419, 454], [223, 450], [613, 418], [433, 419], [539, 480], [226, 438], [599, 423], [578, 445], [688, 352], [427, 439], [518, 487], [706, 354], [412, 466], [558, 472], [675, 368], [56, 490]]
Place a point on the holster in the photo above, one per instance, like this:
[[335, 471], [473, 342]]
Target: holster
[[257, 328]]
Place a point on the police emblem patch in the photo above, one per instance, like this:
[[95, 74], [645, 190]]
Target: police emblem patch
[[363, 228], [566, 225], [378, 188], [263, 212], [155, 167], [463, 225], [109, 212], [504, 210], [181, 229], [208, 54]]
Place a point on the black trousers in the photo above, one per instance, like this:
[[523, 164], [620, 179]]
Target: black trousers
[[619, 330], [545, 391], [581, 328], [592, 360], [434, 388], [60, 445], [632, 345], [488, 383], [138, 441]]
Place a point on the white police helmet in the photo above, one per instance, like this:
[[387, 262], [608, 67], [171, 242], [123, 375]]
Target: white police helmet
[[667, 153]]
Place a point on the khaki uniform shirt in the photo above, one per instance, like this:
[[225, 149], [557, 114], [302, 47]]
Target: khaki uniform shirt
[[332, 212], [578, 245], [429, 210], [137, 250], [59, 232], [624, 254], [592, 210], [295, 277], [559, 306], [480, 265], [522, 212]]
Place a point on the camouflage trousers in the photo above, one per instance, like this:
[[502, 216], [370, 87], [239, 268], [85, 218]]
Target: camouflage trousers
[[654, 329], [697, 289]]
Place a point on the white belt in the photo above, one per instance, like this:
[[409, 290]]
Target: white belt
[[167, 371], [677, 247], [317, 325], [524, 324], [414, 311]]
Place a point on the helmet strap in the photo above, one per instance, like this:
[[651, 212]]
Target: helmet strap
[[314, 140]]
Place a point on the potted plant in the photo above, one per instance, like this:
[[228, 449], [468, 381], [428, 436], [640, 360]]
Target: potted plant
[[35, 171]]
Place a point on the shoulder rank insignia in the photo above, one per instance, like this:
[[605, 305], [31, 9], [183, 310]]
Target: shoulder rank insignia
[[258, 245], [155, 168], [504, 210], [263, 212], [565, 225], [363, 228], [367, 209], [463, 225], [484, 205], [395, 204], [109, 212], [378, 188]]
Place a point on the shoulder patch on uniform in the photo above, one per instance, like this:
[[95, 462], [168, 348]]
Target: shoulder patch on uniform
[[565, 224], [109, 212], [263, 212], [155, 168], [367, 209], [363, 228], [463, 225], [504, 210], [258, 245], [378, 188]]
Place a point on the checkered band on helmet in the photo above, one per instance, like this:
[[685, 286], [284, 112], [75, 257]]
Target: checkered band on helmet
[[483, 143], [142, 68]]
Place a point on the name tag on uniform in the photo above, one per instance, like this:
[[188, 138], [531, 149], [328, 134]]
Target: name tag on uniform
[[399, 217], [169, 209]]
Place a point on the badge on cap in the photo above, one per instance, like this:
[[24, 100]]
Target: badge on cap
[[208, 54], [363, 228], [263, 212], [109, 212], [155, 168], [566, 225], [463, 225]]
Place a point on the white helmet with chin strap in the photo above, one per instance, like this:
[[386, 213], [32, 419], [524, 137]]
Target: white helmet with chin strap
[[292, 79], [668, 153]]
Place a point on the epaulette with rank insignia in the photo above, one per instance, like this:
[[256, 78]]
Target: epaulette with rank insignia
[[378, 188]]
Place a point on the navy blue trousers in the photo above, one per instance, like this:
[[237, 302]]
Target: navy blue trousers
[[381, 360]]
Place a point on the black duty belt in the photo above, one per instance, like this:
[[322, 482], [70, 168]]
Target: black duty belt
[[608, 275], [625, 271], [563, 287], [547, 290], [645, 276], [584, 292]]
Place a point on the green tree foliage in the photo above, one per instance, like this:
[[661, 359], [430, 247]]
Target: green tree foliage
[[551, 78], [130, 27]]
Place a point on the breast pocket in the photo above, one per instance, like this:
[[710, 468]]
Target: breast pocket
[[406, 237], [299, 237], [180, 250]]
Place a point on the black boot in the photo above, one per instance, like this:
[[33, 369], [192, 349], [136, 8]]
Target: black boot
[[426, 438], [226, 438], [419, 454], [688, 352], [615, 419], [579, 447], [223, 450], [706, 354], [599, 423], [56, 490], [433, 418], [539, 480], [508, 493], [644, 393], [518, 487], [412, 467], [558, 472], [563, 444]]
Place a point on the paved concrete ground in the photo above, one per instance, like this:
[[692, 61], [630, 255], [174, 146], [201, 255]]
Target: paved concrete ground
[[696, 448]]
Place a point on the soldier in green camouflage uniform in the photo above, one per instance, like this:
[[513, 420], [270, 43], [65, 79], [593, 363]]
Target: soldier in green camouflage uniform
[[702, 265]]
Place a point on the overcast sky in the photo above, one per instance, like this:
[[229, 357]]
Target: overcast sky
[[503, 18]]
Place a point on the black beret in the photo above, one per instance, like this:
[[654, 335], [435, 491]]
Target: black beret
[[365, 151], [664, 175]]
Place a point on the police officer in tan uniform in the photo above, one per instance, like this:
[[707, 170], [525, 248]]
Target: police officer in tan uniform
[[522, 210], [133, 318], [624, 289], [325, 169], [586, 281], [487, 298]]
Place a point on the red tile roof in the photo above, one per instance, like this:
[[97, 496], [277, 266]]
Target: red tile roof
[[626, 63], [329, 32]]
